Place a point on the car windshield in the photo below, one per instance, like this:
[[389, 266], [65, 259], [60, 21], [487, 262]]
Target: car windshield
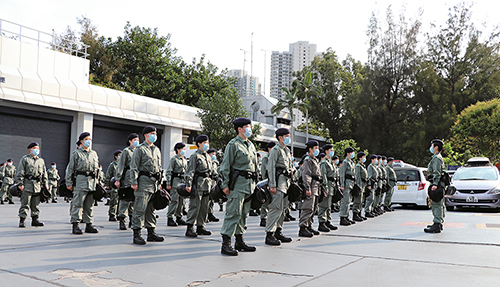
[[476, 173], [408, 174]]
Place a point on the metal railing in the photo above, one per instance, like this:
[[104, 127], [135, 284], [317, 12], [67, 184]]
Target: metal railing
[[42, 39]]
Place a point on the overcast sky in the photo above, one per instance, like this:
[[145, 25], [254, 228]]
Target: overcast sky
[[220, 28]]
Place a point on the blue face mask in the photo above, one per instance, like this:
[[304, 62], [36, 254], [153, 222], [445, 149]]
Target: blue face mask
[[292, 158], [205, 147], [286, 141], [135, 143], [87, 143], [385, 162], [260, 159], [431, 149], [183, 152], [316, 152], [248, 132], [213, 157], [54, 167], [152, 138], [363, 160], [35, 152], [330, 154], [352, 155], [375, 162], [337, 161]]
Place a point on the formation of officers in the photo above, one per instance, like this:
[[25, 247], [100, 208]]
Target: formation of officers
[[325, 183]]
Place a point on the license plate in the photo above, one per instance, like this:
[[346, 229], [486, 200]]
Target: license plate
[[402, 187], [471, 199]]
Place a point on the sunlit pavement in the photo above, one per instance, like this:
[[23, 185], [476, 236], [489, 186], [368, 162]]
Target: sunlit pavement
[[390, 250]]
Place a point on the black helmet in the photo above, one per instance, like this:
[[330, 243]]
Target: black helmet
[[112, 183], [294, 192], [14, 190], [126, 193], [63, 190], [100, 192], [261, 194], [216, 193], [161, 198], [181, 190]]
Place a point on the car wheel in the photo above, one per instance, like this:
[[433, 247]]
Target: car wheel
[[450, 208]]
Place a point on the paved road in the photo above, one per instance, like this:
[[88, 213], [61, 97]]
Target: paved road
[[390, 250]]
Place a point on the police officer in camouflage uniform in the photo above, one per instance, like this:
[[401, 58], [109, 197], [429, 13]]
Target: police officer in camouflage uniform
[[199, 181], [7, 174], [264, 172], [361, 180], [280, 172], [53, 176], [347, 179], [372, 186], [113, 196], [175, 176], [211, 152], [311, 178], [329, 181], [436, 169], [83, 167], [145, 176], [391, 181], [31, 175], [123, 179], [239, 174]]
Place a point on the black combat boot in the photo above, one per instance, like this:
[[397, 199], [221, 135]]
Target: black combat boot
[[21, 221], [323, 228], [138, 238], [271, 240], [122, 224], [200, 230], [304, 232], [190, 232], [253, 213], [112, 218], [369, 214], [1, 202], [440, 225], [54, 201], [90, 228], [171, 222], [226, 248], [10, 201], [351, 221], [263, 222], [212, 218], [180, 221], [76, 228], [357, 217], [286, 219], [331, 226], [364, 218], [130, 221], [344, 221], [435, 228], [241, 245], [291, 217], [312, 230], [388, 209], [278, 234], [35, 222], [152, 236]]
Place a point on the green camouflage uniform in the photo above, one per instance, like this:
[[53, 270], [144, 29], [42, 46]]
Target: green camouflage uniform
[[53, 176], [436, 168], [178, 165], [122, 173], [328, 175], [32, 174], [240, 155], [372, 178], [215, 164], [113, 194], [391, 180], [263, 172], [361, 180], [82, 161], [346, 169], [7, 174], [310, 169]]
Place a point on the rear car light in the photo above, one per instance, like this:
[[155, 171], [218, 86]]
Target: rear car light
[[421, 185]]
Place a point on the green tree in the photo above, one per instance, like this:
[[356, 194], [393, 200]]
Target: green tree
[[341, 145], [290, 102], [478, 130], [315, 128], [217, 114]]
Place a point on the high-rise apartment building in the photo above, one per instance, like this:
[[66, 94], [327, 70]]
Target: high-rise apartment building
[[246, 85], [303, 54]]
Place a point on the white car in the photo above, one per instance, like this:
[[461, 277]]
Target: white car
[[411, 187]]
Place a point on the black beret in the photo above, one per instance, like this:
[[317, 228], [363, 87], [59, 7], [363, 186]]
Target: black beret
[[384, 157], [201, 138], [361, 154], [52, 163], [148, 129], [211, 150], [239, 122], [327, 147], [437, 141], [179, 145], [132, 136], [282, 132], [348, 149], [321, 155], [373, 156], [341, 161], [83, 135], [117, 152], [389, 159], [270, 144], [335, 157], [33, 144], [379, 157], [9, 160], [312, 143]]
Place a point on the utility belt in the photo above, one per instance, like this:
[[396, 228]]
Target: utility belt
[[284, 172], [175, 174], [203, 174], [35, 178], [155, 175], [364, 180], [11, 176], [92, 174], [235, 173], [349, 176], [317, 178], [52, 178]]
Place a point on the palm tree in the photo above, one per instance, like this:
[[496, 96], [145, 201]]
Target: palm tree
[[290, 102]]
